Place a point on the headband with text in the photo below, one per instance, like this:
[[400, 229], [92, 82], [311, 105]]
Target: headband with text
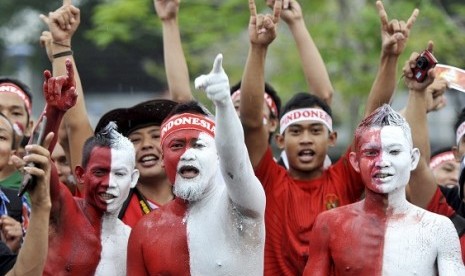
[[8, 87], [305, 114], [187, 121], [268, 100], [441, 158]]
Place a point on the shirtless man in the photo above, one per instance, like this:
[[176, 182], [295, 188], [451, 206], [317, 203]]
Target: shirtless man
[[215, 226], [384, 233]]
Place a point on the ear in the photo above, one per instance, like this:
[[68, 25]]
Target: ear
[[134, 177], [273, 124], [279, 139], [79, 172], [332, 139], [415, 156], [354, 161], [455, 150], [29, 127]]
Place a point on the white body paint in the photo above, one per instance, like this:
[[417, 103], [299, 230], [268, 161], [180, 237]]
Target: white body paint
[[225, 226], [114, 237], [417, 242]]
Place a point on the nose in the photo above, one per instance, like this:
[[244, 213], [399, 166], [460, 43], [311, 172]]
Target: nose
[[188, 156], [147, 143], [382, 162], [306, 138]]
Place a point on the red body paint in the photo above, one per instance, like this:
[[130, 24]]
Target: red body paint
[[75, 226], [158, 243]]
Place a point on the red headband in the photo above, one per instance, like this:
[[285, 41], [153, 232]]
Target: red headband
[[268, 100], [441, 158], [8, 87], [187, 121]]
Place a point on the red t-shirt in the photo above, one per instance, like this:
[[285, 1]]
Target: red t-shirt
[[438, 205], [292, 206], [134, 211]]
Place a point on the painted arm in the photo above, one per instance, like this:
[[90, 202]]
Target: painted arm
[[319, 260], [262, 31], [244, 188], [177, 73], [33, 253], [312, 63], [422, 184], [62, 24], [135, 261], [394, 36], [449, 257]]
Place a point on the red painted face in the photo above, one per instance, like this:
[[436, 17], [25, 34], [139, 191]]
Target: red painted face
[[175, 146], [97, 177]]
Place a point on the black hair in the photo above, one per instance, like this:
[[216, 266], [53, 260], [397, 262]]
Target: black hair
[[193, 107], [306, 100], [26, 89], [107, 137], [13, 132], [268, 90]]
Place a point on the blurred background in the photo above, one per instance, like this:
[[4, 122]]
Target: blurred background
[[118, 50]]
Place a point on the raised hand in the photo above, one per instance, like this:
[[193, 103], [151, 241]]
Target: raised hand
[[167, 9], [262, 28], [216, 83], [394, 33], [290, 12], [60, 92], [410, 81], [63, 22], [46, 42]]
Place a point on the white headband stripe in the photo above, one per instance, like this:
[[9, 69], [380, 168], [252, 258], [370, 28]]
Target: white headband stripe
[[460, 132], [305, 114]]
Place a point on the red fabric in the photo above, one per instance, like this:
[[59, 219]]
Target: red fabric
[[439, 205], [158, 243], [134, 212], [292, 206]]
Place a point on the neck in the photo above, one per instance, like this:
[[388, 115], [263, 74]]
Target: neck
[[158, 190], [6, 171], [386, 204]]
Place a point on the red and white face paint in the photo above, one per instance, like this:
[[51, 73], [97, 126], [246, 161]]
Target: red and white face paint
[[108, 177], [189, 153], [305, 114], [385, 159]]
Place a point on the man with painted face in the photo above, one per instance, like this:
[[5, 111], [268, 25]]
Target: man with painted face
[[86, 236], [215, 226], [384, 232]]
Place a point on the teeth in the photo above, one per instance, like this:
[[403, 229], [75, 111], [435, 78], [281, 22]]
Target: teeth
[[382, 175], [148, 158], [107, 196]]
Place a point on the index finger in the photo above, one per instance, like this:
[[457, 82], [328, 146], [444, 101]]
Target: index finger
[[67, 2], [412, 18], [252, 8], [277, 10], [218, 64], [382, 14]]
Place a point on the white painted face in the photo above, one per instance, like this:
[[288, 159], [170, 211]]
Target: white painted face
[[123, 176], [196, 167], [386, 159]]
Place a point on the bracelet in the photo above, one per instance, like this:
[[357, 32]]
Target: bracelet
[[61, 44], [63, 54]]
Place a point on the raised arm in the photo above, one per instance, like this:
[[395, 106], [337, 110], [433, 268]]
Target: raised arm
[[262, 31], [244, 189], [177, 73], [62, 24], [33, 253], [422, 184], [394, 36], [312, 63]]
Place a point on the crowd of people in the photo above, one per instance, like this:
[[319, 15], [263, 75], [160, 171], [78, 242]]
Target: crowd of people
[[167, 187]]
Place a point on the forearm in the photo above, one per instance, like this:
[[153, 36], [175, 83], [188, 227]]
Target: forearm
[[253, 87], [32, 256], [312, 63], [384, 84], [177, 73]]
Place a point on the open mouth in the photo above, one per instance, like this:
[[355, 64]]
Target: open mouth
[[148, 160], [188, 171], [306, 155], [107, 196], [382, 176]]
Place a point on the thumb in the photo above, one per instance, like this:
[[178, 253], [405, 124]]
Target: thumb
[[218, 64]]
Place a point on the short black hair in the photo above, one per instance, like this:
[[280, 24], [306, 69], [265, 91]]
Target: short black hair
[[193, 107], [305, 100], [268, 90]]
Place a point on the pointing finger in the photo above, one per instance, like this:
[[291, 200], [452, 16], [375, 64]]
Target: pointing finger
[[218, 64]]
